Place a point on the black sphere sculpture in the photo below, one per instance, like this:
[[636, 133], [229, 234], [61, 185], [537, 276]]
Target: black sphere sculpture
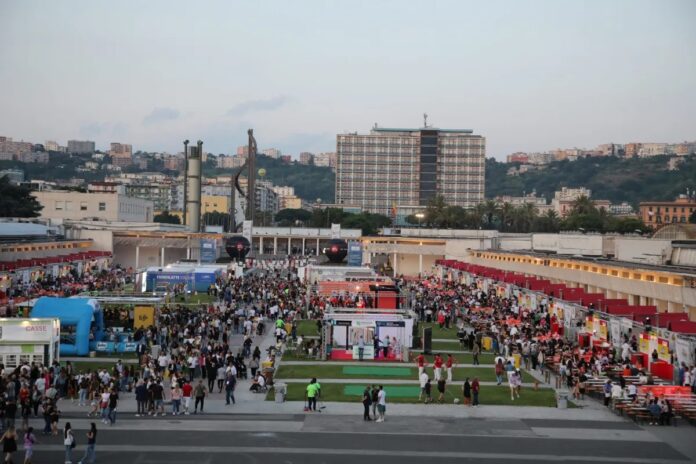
[[336, 250], [237, 247]]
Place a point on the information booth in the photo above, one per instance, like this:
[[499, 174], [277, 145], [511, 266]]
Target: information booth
[[343, 328], [26, 341]]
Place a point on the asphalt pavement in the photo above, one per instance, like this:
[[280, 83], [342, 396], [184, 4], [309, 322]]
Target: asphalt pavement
[[323, 438]]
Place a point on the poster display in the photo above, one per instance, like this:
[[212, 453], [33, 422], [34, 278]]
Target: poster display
[[615, 326], [684, 352], [663, 349], [644, 343], [601, 327], [143, 317]]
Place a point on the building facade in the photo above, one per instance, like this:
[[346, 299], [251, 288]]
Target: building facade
[[659, 213], [61, 205], [80, 146], [389, 168]]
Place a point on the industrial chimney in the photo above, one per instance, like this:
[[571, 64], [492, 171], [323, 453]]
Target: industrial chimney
[[193, 202]]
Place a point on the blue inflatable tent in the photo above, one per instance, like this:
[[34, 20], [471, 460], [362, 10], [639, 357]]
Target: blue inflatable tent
[[77, 312]]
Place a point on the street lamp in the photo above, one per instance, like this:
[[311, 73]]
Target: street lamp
[[420, 216]]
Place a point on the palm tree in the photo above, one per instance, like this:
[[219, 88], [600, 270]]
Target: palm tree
[[491, 212], [583, 205]]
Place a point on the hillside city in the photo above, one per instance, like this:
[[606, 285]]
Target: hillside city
[[158, 177], [348, 232]]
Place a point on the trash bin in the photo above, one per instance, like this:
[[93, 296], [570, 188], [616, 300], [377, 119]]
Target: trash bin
[[562, 400], [281, 390]]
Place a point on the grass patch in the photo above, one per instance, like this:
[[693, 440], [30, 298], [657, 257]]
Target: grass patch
[[306, 328], [328, 371], [450, 334], [488, 396]]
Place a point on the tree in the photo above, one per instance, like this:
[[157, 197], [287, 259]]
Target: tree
[[292, 216], [17, 201], [692, 218], [165, 217], [369, 223]]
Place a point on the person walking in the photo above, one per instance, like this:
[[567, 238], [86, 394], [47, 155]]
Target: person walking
[[366, 401], [186, 391], [441, 388], [90, 456], [424, 379], [381, 403], [9, 443], [420, 362], [475, 353], [113, 403], [499, 370], [361, 348], [230, 383], [475, 392], [141, 398], [69, 442], [200, 394], [29, 442], [311, 394], [437, 367], [176, 399]]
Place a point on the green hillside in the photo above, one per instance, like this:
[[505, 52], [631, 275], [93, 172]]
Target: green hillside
[[615, 179], [310, 182]]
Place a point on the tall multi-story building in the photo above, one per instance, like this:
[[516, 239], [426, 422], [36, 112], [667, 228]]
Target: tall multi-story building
[[52, 145], [652, 149], [306, 157], [287, 198], [631, 149], [243, 150], [80, 146], [659, 213], [518, 157], [406, 168]]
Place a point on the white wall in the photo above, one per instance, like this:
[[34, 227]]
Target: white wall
[[642, 250], [512, 242]]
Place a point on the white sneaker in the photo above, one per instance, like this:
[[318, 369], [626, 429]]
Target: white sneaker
[[137, 415]]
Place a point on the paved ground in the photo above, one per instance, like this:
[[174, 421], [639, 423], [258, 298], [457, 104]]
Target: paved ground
[[324, 438]]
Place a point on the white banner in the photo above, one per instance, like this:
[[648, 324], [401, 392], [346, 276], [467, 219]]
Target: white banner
[[626, 325], [615, 327], [335, 230], [568, 315], [684, 352], [25, 331], [246, 232]]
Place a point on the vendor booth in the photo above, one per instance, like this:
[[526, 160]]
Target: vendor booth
[[344, 327], [27, 341], [190, 278]]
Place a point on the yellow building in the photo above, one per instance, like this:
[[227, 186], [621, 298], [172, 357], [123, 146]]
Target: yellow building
[[213, 203]]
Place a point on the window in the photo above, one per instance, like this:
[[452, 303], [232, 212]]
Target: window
[[83, 206], [102, 206], [59, 205]]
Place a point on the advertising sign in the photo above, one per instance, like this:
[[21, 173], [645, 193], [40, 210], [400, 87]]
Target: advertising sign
[[246, 230], [26, 330], [354, 253], [644, 343], [143, 317], [208, 250], [368, 352]]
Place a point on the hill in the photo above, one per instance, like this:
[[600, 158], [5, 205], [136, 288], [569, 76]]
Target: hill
[[310, 182], [616, 179]]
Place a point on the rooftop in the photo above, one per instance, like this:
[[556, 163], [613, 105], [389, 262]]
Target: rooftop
[[397, 129]]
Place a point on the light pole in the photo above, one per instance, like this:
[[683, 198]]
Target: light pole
[[186, 142], [420, 217]]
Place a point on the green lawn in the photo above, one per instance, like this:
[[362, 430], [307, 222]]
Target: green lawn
[[307, 328], [329, 371], [201, 298], [487, 396], [450, 333]]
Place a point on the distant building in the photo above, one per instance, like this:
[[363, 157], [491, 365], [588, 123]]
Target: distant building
[[243, 150], [61, 205], [518, 157], [306, 157], [622, 209], [563, 199], [287, 159], [81, 146], [40, 157], [652, 149], [287, 197], [174, 163], [392, 171], [51, 145], [658, 213], [11, 150], [540, 158], [230, 162], [15, 176], [272, 153], [684, 148], [160, 194], [538, 202], [631, 149], [325, 160]]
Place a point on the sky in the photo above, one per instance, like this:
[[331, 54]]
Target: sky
[[528, 75]]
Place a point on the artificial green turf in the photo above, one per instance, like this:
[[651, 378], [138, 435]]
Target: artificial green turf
[[492, 395], [377, 371], [450, 333], [393, 391], [323, 370]]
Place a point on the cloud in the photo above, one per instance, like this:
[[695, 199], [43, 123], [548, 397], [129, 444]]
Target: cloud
[[251, 106], [158, 115]]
